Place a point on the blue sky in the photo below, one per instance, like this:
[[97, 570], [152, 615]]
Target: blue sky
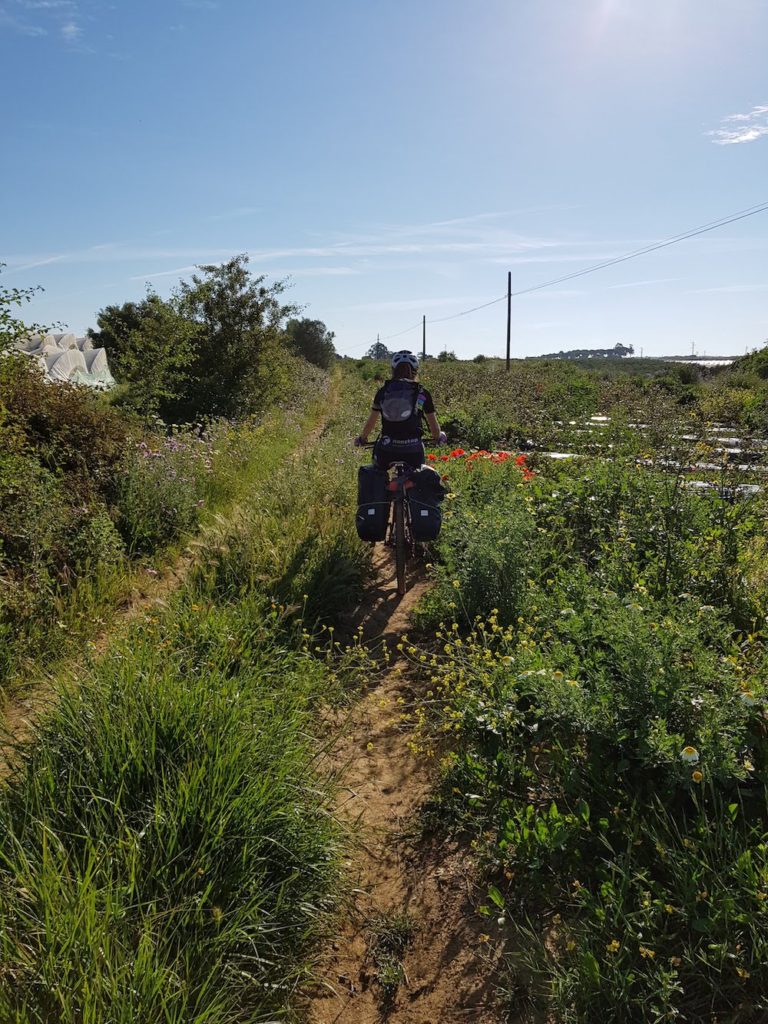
[[396, 160]]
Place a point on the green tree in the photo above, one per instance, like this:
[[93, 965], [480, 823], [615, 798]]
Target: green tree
[[11, 328], [378, 351], [312, 340], [155, 359], [446, 357], [116, 325], [240, 319]]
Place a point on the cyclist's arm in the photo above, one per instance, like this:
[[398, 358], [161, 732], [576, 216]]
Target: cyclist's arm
[[370, 423], [434, 426]]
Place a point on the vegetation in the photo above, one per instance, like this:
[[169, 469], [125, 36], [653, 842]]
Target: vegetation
[[216, 347], [312, 340], [11, 326], [592, 655], [596, 649], [166, 847]]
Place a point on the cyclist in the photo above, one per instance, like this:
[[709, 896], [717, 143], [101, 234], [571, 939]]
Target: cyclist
[[402, 404]]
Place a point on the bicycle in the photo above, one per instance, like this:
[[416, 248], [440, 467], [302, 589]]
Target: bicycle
[[399, 534]]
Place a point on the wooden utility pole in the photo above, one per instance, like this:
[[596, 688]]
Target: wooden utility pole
[[509, 314], [424, 337]]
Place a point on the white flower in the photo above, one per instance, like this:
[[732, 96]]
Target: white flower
[[690, 755]]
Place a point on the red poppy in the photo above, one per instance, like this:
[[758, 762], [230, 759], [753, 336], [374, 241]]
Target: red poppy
[[520, 460], [457, 453], [444, 458], [431, 457]]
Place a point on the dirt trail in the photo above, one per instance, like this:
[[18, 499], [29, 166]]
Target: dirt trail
[[448, 965], [20, 710]]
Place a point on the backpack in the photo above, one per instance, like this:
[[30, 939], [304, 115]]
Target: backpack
[[401, 401]]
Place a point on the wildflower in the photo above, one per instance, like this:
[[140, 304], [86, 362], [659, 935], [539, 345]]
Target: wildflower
[[690, 755], [742, 973], [697, 776], [748, 765], [457, 453], [431, 457], [613, 947], [456, 584], [675, 961], [647, 954], [748, 698]]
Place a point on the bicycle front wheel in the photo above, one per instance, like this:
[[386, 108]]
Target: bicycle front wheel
[[400, 544]]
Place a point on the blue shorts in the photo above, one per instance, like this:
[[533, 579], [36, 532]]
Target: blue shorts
[[387, 450]]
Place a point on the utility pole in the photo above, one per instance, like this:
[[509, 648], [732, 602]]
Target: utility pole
[[423, 338], [509, 313]]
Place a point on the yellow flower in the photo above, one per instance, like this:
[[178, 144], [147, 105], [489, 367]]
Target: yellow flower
[[456, 584], [647, 954], [697, 776], [613, 947], [690, 755]]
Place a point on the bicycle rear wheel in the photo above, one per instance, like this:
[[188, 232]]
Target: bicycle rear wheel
[[400, 544]]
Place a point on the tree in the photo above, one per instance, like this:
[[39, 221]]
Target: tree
[[116, 325], [156, 358], [150, 345], [312, 340], [11, 328], [240, 317], [378, 351], [446, 357]]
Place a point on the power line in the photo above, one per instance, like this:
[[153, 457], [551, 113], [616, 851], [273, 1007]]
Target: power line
[[750, 211], [711, 226]]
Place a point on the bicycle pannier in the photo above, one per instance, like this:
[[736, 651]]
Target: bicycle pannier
[[372, 503], [424, 499]]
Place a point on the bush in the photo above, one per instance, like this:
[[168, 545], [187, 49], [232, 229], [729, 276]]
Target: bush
[[158, 494]]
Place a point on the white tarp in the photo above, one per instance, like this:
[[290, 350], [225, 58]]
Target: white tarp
[[64, 357]]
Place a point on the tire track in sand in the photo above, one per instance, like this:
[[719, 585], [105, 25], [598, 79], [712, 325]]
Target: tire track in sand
[[393, 869]]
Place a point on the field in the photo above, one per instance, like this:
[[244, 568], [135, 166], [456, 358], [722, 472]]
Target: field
[[576, 704]]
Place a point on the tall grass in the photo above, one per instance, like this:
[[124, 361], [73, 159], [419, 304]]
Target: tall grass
[[167, 849]]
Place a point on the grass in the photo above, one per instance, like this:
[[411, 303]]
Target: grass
[[390, 935], [167, 847]]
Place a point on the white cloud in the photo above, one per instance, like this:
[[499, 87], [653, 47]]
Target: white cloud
[[11, 23], [737, 128], [71, 32]]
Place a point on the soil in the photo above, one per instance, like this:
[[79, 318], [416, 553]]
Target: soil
[[396, 868]]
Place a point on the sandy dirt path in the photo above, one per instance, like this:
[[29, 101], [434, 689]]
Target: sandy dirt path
[[395, 869]]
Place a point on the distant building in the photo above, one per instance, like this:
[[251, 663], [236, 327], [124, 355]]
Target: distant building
[[618, 351], [65, 358]]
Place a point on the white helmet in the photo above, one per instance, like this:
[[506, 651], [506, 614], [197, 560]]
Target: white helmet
[[405, 357]]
